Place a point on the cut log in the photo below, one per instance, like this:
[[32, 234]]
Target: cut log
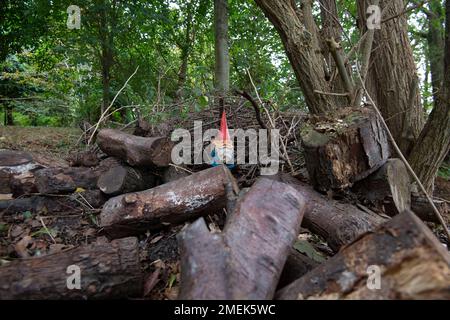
[[172, 173], [74, 203], [11, 163], [411, 262], [106, 270], [124, 179], [390, 183], [203, 264], [337, 222], [246, 260], [65, 180], [198, 194], [23, 184], [422, 208], [136, 151], [343, 149], [87, 158], [296, 266]]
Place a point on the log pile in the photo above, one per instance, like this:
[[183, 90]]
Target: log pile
[[252, 254]]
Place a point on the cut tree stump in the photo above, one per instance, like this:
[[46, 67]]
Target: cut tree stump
[[391, 183], [65, 180], [343, 149], [246, 260], [124, 179], [337, 222], [136, 151], [411, 262], [107, 271], [201, 193], [72, 203]]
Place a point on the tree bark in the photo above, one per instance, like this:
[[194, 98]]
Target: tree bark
[[74, 203], [302, 47], [344, 148], [433, 144], [136, 151], [107, 271], [65, 180], [184, 199], [392, 81], [248, 257], [412, 263], [124, 179], [222, 69], [337, 222]]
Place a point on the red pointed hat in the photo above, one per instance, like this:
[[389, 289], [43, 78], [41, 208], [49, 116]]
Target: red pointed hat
[[224, 135]]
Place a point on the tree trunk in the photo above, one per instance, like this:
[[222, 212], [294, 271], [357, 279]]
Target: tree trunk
[[301, 42], [9, 119], [107, 271], [106, 55], [411, 262], [436, 46], [222, 69], [392, 81], [433, 144]]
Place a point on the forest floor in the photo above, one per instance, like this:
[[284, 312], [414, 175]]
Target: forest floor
[[25, 235]]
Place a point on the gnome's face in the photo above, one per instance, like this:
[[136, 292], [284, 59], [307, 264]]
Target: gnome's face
[[224, 152]]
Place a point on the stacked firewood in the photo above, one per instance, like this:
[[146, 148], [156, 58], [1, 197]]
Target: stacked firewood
[[252, 257]]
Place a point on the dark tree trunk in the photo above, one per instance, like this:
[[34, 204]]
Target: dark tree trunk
[[9, 119], [300, 38], [222, 67], [433, 144]]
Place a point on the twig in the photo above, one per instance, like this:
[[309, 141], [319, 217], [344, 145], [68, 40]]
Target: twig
[[247, 96], [46, 229], [346, 94], [110, 106]]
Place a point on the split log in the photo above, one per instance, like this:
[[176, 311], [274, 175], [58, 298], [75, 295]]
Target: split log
[[107, 270], [337, 222], [246, 260], [174, 202], [65, 180], [136, 151], [412, 263], [77, 202], [345, 148], [124, 179], [390, 183]]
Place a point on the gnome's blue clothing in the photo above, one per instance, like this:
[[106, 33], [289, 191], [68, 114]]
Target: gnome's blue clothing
[[217, 162]]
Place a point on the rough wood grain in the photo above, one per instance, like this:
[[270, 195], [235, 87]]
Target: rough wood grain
[[337, 222], [412, 262], [125, 179], [65, 180], [184, 199], [249, 255], [136, 151], [108, 270], [343, 149]]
